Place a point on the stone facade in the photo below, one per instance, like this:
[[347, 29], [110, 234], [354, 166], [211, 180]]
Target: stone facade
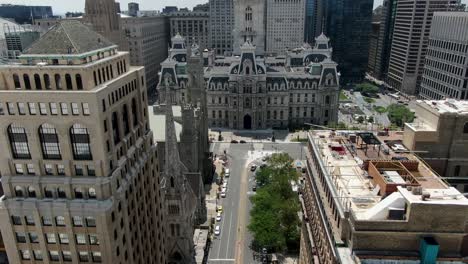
[[249, 24], [103, 16], [284, 25], [79, 170], [147, 41], [440, 132], [249, 92], [192, 25]]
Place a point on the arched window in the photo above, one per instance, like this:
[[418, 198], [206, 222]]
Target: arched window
[[327, 99], [247, 70], [27, 82], [172, 182], [68, 82], [134, 112], [48, 192], [275, 114], [16, 81], [126, 124], [19, 191], [81, 144], [115, 128], [465, 128], [49, 142], [92, 193], [58, 81], [19, 142], [31, 191], [79, 82], [47, 81], [37, 81]]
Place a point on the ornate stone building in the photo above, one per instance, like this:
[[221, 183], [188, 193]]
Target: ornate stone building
[[250, 92], [249, 24], [79, 170]]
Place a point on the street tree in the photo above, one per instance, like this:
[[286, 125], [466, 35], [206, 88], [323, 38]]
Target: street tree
[[274, 220]]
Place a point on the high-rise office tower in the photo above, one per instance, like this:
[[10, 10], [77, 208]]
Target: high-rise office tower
[[104, 19], [133, 9], [373, 46], [378, 63], [348, 24], [192, 25], [446, 70], [249, 25], [284, 25], [221, 25], [409, 43], [313, 20], [79, 170]]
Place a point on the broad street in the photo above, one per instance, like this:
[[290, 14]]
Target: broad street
[[233, 244]]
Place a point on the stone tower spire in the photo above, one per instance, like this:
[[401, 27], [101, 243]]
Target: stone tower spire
[[103, 17], [180, 198]]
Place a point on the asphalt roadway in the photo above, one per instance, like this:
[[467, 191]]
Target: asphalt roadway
[[233, 244]]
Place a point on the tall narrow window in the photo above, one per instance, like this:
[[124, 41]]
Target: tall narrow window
[[115, 128], [37, 81], [27, 82], [79, 82], [68, 81], [134, 112], [47, 82], [16, 80], [81, 144], [58, 81], [49, 142], [126, 125], [19, 142], [95, 78]]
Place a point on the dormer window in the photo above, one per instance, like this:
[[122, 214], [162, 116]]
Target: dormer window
[[55, 61]]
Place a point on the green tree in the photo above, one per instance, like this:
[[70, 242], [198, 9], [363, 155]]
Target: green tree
[[399, 114], [360, 119], [370, 119], [274, 221], [367, 88]]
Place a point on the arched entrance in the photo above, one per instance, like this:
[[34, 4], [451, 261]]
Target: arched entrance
[[247, 122]]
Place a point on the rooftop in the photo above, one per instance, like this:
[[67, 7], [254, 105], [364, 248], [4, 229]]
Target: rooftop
[[68, 37], [373, 174], [447, 106]]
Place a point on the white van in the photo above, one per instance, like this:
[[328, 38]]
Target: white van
[[223, 192], [227, 173]]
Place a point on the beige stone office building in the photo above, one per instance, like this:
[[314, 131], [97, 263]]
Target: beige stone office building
[[363, 202], [78, 166], [439, 135], [284, 25], [147, 42], [409, 42]]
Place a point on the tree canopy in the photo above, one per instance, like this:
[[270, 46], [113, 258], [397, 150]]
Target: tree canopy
[[274, 220], [399, 114]]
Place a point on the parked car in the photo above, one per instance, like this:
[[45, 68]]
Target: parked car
[[253, 167], [242, 142], [223, 193], [234, 141], [225, 184], [219, 209], [217, 230], [227, 173], [218, 217], [254, 188]]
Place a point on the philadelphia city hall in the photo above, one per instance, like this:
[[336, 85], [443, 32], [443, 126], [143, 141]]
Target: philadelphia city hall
[[252, 90]]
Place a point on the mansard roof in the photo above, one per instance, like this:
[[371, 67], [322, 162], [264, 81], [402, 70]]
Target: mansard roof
[[69, 37]]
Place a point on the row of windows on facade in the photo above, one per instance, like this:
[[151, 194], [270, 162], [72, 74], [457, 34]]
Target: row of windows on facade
[[51, 238], [270, 86], [122, 92], [107, 73], [49, 140], [449, 57], [45, 79], [443, 44], [54, 255], [437, 73], [275, 100], [275, 113], [77, 221], [115, 120], [31, 108], [429, 87], [51, 169], [56, 193]]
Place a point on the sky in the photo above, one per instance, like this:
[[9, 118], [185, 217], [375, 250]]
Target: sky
[[60, 7]]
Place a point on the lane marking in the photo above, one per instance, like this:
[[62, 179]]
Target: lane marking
[[229, 234]]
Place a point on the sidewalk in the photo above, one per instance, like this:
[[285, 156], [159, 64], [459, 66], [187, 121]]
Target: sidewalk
[[257, 136]]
